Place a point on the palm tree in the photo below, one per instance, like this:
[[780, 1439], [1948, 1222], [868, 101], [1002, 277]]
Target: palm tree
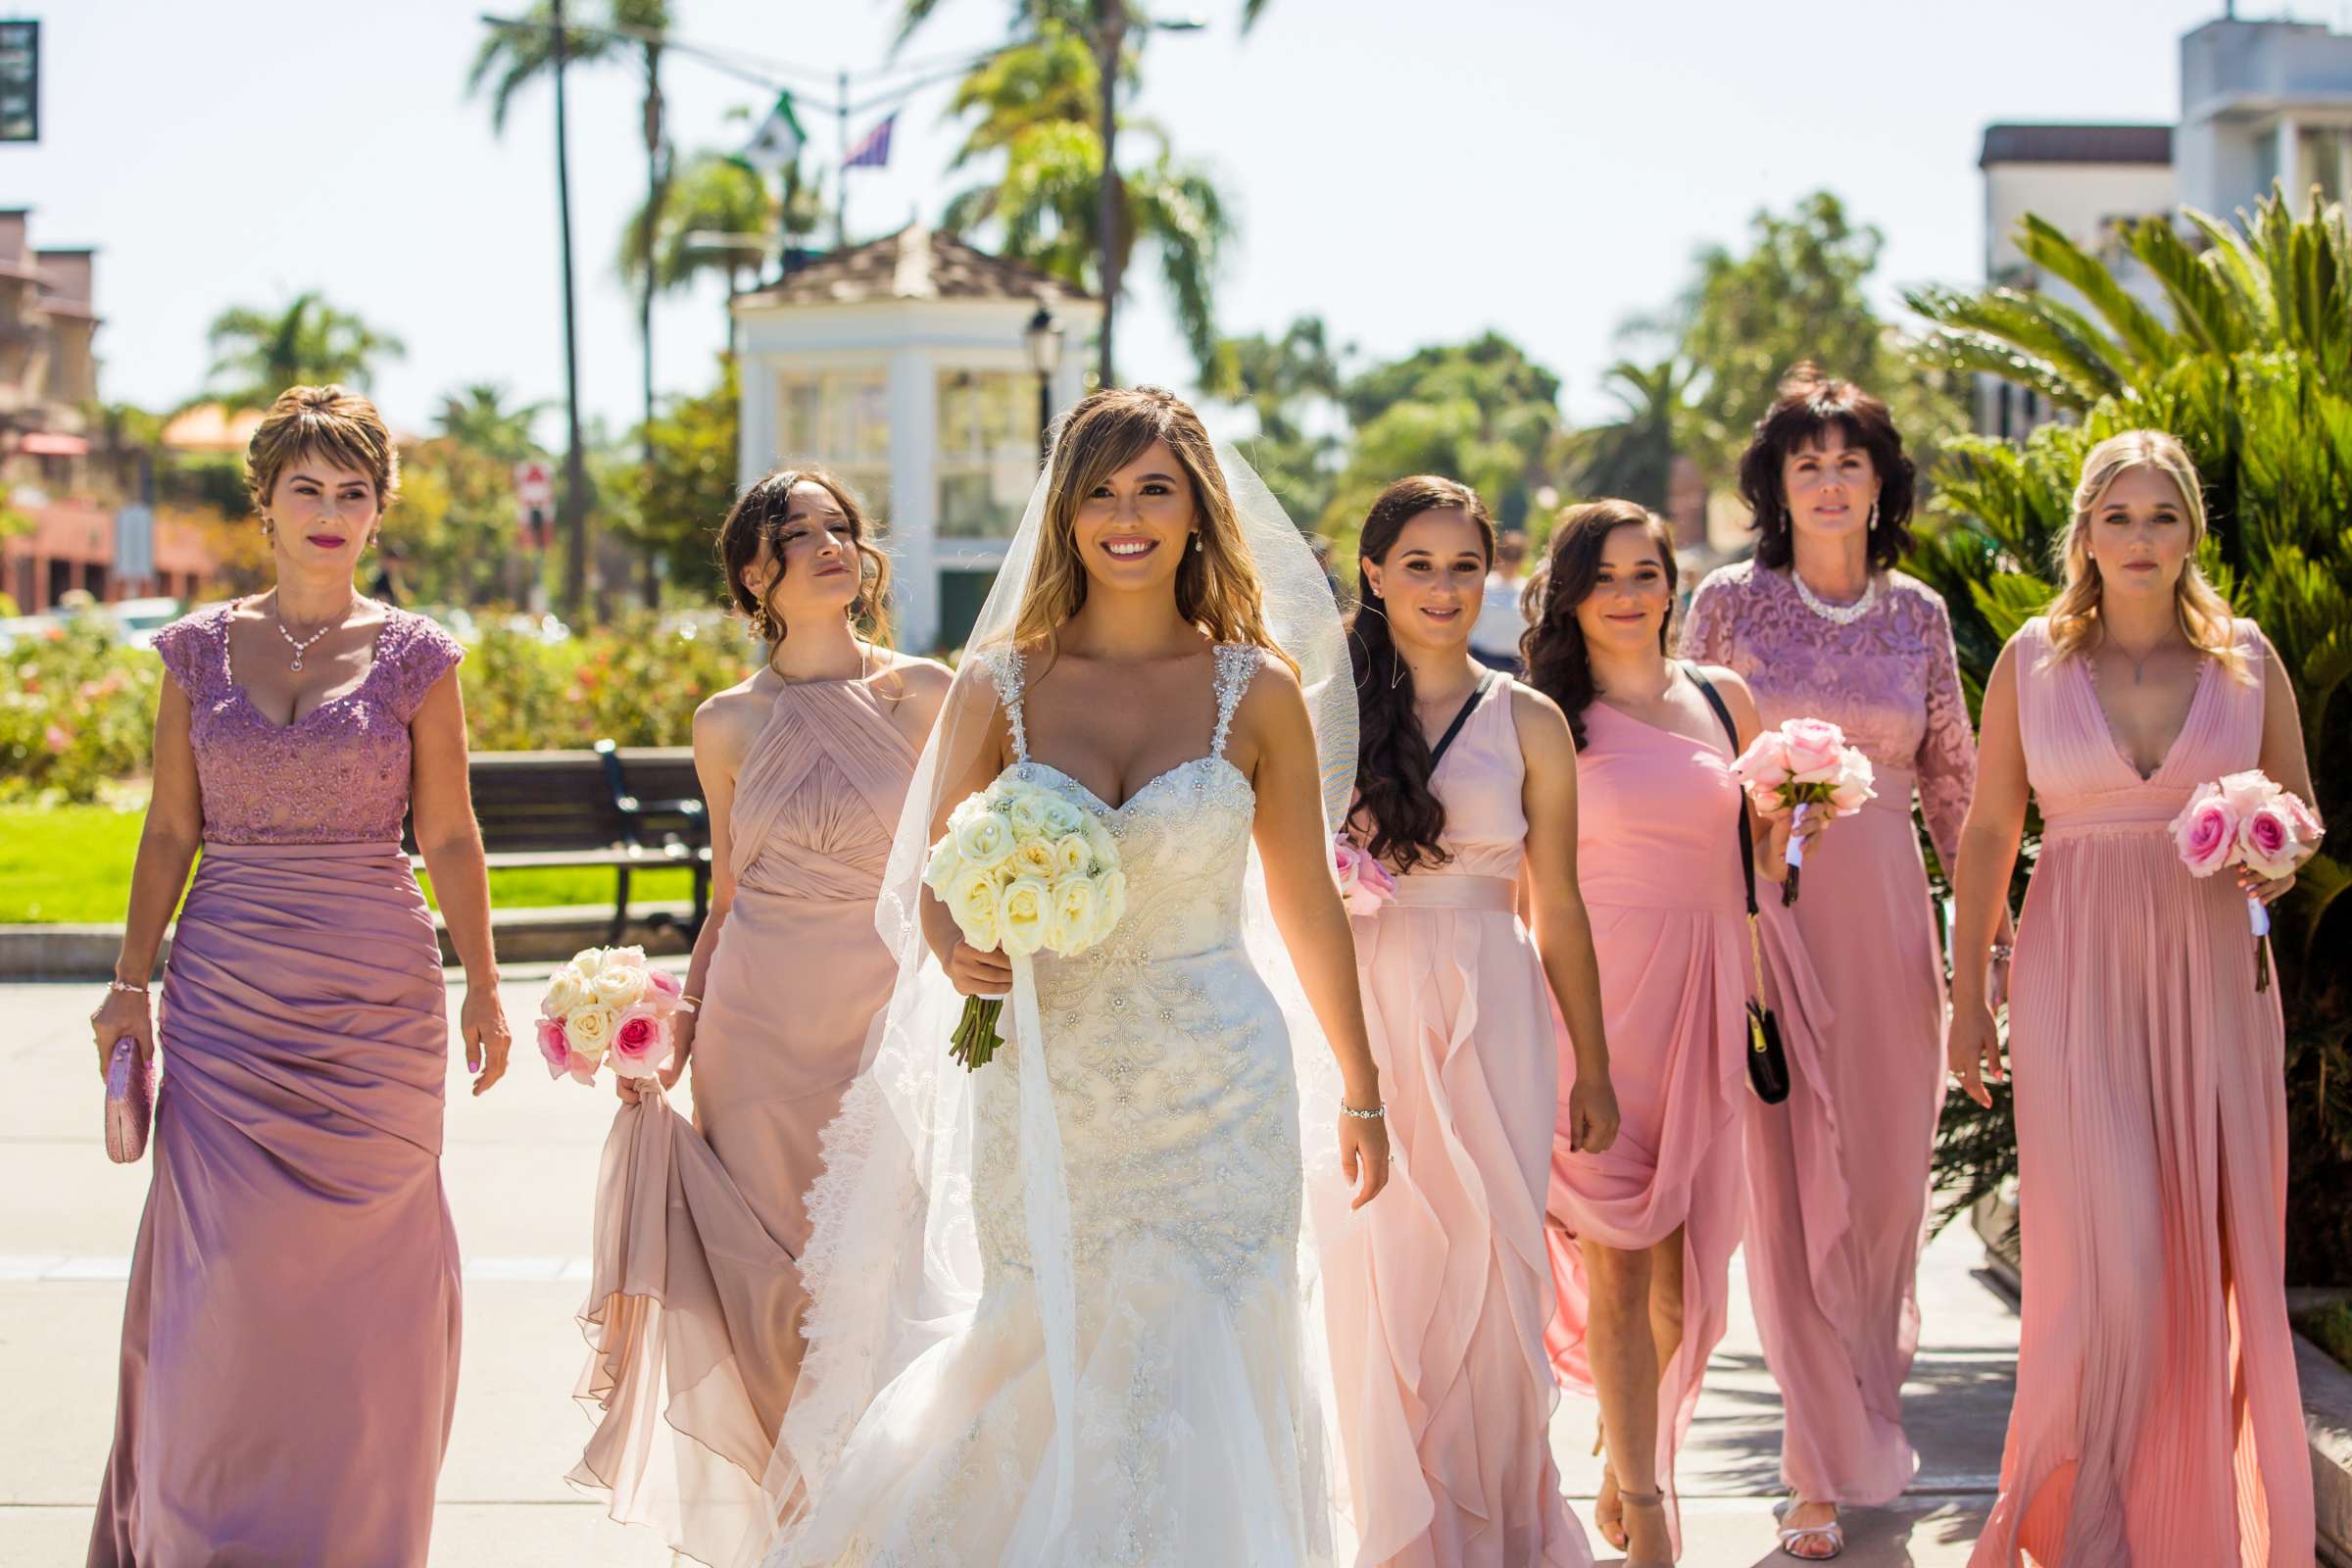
[[1634, 456], [1179, 209], [478, 418], [715, 192], [307, 344], [510, 57], [1045, 203]]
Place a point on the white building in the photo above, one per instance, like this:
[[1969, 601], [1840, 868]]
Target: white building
[[908, 365], [2260, 102]]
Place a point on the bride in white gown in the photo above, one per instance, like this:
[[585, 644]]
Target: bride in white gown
[[1067, 1317]]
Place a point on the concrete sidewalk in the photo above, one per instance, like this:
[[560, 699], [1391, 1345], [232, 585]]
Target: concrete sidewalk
[[521, 1167]]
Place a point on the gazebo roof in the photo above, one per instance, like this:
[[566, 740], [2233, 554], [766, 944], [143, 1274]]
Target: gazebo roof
[[917, 263]]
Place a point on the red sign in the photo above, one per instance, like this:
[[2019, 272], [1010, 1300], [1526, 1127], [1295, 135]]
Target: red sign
[[534, 485]]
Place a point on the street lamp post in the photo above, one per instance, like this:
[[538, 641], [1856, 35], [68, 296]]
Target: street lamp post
[[1044, 335]]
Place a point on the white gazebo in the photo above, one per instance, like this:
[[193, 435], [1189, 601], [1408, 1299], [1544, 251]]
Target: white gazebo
[[913, 366]]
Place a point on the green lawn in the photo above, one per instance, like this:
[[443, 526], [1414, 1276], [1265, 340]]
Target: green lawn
[[72, 863]]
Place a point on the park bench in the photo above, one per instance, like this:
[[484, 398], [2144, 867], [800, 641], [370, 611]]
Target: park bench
[[640, 810]]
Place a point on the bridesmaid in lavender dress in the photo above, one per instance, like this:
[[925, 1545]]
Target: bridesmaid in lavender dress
[[1437, 1299], [2157, 1417], [1642, 1231], [290, 1335], [1820, 625], [695, 1304]]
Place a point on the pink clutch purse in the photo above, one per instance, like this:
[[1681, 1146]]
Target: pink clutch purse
[[129, 1101]]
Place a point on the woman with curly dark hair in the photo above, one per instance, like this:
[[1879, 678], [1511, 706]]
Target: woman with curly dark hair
[[1822, 625], [1465, 784]]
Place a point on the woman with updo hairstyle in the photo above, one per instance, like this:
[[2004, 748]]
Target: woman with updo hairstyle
[[1641, 1228], [2158, 1417], [1437, 1299], [805, 765], [289, 1356], [1821, 625]]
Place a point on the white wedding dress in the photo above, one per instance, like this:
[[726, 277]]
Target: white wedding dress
[[1200, 1428]]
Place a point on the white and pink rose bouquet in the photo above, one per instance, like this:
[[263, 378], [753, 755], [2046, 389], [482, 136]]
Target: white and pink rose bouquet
[[609, 1007], [1804, 766], [1365, 885], [2247, 821], [1023, 870]]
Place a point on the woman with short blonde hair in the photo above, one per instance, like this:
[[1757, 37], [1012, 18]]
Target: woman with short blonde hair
[[290, 1336]]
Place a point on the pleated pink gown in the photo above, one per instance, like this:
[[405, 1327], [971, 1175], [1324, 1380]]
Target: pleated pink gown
[[290, 1335], [1435, 1299], [1658, 861], [694, 1310], [2158, 1419], [1838, 1173]]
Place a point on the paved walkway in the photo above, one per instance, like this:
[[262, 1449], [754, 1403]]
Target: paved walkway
[[521, 1165]]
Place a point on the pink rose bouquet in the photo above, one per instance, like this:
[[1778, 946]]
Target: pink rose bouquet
[[2245, 820], [608, 1005], [1804, 766], [1365, 885]]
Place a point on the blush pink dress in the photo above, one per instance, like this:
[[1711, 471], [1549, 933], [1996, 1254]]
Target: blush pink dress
[[1838, 1174], [1658, 861], [695, 1304], [1435, 1299], [290, 1335], [2157, 1418]]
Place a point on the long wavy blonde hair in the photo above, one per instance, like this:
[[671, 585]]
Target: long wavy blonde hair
[[2204, 615], [1218, 587]]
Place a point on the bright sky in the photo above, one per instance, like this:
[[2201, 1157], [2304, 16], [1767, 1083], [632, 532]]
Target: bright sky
[[1416, 172]]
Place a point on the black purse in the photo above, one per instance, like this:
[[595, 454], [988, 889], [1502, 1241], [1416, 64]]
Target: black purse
[[1767, 1061]]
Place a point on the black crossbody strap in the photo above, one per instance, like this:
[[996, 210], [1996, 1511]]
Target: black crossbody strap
[[1486, 684], [1730, 731]]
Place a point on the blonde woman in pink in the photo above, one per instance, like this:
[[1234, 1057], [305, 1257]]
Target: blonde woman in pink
[[2157, 1417], [1465, 786]]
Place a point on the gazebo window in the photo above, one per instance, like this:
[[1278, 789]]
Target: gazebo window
[[839, 421], [987, 459]]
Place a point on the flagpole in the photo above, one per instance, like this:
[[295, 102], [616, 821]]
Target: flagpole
[[841, 181]]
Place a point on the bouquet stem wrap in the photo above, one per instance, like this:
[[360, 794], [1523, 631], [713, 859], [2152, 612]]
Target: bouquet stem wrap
[[2258, 915], [1797, 854]]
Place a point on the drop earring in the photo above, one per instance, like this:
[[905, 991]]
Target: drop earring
[[1195, 541]]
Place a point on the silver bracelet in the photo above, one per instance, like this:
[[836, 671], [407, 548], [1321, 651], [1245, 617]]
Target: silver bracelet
[[1374, 1115], [127, 987]]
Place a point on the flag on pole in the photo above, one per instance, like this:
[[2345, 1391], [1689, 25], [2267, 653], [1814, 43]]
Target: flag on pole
[[874, 151], [777, 141]]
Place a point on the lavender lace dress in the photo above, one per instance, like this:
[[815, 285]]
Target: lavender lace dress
[[290, 1336], [1837, 1176]]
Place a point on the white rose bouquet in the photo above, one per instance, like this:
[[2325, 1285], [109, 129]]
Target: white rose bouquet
[[1023, 870], [608, 1005]]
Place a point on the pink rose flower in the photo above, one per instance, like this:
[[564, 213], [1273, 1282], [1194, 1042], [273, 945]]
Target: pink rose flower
[[59, 740], [2266, 842], [641, 1042], [1364, 883], [1856, 783], [2205, 831], [2246, 791], [1763, 769], [554, 1047], [1816, 750], [582, 1068], [665, 990], [2302, 818]]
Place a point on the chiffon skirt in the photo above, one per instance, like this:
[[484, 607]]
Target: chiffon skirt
[[290, 1335]]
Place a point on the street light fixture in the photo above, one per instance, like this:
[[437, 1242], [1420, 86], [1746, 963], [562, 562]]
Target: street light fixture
[[1044, 335]]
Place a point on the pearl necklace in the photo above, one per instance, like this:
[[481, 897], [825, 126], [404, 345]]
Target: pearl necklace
[[1835, 614]]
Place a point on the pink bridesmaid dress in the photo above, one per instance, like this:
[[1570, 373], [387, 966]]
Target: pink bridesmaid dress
[[290, 1335], [1658, 861], [1435, 1299], [2157, 1417], [1838, 1174], [694, 1309]]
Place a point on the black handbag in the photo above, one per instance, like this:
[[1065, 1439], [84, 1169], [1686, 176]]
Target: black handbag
[[1767, 1061]]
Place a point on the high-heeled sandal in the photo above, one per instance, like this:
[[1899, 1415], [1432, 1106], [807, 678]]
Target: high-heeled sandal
[[1640, 1500], [1832, 1533]]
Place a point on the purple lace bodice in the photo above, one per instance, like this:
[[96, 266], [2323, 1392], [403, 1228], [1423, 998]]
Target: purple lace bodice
[[339, 774], [1890, 679]]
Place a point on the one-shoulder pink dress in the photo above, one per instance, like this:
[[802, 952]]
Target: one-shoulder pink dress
[[1657, 855], [2158, 1419], [695, 1304], [1436, 1295]]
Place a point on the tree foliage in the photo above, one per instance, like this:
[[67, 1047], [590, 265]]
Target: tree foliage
[[257, 354]]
